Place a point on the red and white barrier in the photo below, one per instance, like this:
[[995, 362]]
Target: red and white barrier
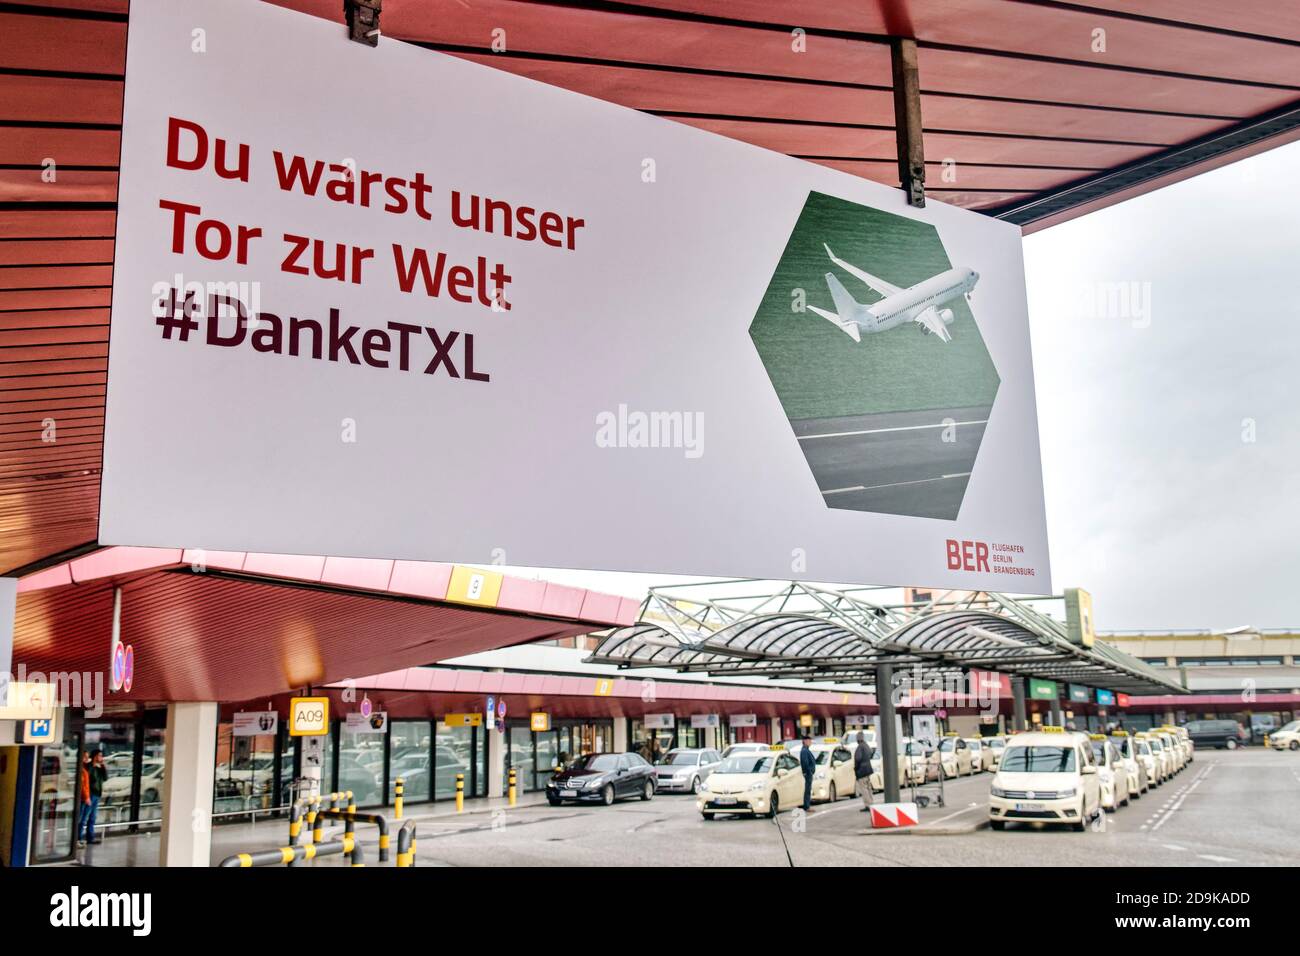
[[885, 815]]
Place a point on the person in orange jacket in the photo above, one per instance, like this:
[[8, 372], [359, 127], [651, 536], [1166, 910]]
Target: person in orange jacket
[[83, 793]]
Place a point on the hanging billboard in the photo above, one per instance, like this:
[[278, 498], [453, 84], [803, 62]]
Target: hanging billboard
[[411, 306]]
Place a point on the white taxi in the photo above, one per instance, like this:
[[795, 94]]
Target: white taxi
[[1286, 737], [1046, 777], [1184, 741], [1149, 759], [953, 755], [1138, 781], [979, 754], [993, 751], [752, 783], [834, 775], [911, 765], [1163, 755], [1171, 747], [1111, 773]]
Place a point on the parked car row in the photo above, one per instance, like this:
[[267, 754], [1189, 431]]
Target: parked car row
[[1058, 776]]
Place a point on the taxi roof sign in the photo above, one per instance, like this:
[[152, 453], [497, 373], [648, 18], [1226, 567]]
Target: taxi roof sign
[[1119, 733], [1096, 736], [1051, 730]]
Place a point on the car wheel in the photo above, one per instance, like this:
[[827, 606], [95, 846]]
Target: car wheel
[[1082, 825], [834, 796], [707, 816], [695, 785], [1293, 745], [149, 796], [607, 795], [553, 801], [773, 807], [648, 791], [998, 824], [1231, 744]]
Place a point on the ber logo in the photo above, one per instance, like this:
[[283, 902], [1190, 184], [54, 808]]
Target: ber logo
[[968, 555]]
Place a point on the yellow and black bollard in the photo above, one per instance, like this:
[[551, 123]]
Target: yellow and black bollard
[[352, 803], [397, 799], [460, 793], [406, 844], [511, 792], [317, 821]]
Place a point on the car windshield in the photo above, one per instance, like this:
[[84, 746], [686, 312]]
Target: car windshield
[[947, 744], [1099, 748], [974, 744], [915, 750], [1156, 745], [1038, 759], [1291, 727], [997, 744], [601, 763], [680, 759], [822, 756], [1144, 748], [746, 763]]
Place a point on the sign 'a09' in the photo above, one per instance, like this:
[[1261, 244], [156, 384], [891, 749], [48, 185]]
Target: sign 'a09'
[[309, 716]]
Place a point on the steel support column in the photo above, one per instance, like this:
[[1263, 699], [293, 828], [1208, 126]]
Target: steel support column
[[1018, 703], [907, 120], [888, 737]]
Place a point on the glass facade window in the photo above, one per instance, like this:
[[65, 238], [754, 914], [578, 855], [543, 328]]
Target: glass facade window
[[453, 754], [245, 771], [117, 741], [57, 801], [409, 758], [154, 752], [361, 766]]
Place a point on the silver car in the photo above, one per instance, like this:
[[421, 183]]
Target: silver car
[[684, 771]]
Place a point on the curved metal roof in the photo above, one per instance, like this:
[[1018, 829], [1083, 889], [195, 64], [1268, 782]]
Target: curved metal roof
[[811, 633]]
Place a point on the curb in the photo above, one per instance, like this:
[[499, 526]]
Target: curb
[[928, 831]]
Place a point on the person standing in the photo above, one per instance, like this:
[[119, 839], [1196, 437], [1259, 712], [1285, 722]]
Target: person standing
[[862, 771], [96, 774], [83, 796], [808, 764]]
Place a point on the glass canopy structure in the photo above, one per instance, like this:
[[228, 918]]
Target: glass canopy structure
[[797, 631]]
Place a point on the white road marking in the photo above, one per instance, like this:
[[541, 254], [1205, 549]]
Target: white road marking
[[973, 806], [1215, 859], [1174, 846], [899, 428], [894, 484], [1182, 795]]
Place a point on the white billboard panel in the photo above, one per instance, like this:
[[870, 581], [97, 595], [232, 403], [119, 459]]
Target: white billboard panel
[[489, 320]]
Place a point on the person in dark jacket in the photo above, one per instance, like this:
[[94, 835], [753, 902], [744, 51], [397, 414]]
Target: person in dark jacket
[[862, 771], [808, 764]]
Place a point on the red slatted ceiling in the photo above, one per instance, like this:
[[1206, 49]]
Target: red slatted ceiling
[[204, 637], [1012, 93]]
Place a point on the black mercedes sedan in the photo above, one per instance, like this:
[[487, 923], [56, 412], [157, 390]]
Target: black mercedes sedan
[[602, 778]]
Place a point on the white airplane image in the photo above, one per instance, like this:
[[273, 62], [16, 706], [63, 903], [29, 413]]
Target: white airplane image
[[922, 303]]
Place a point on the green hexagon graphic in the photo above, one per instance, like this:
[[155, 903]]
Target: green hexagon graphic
[[890, 423]]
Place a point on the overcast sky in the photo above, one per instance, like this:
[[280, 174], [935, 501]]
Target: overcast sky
[[1166, 335], [1158, 501]]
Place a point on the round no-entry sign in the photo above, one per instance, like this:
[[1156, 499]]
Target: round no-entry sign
[[128, 668], [119, 667]]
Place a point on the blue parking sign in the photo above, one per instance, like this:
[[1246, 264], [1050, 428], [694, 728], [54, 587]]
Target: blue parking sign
[[39, 731]]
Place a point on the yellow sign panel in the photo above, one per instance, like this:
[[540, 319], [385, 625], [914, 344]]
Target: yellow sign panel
[[474, 586], [805, 720], [309, 716], [463, 720], [539, 722], [1078, 617], [28, 700], [604, 686]]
